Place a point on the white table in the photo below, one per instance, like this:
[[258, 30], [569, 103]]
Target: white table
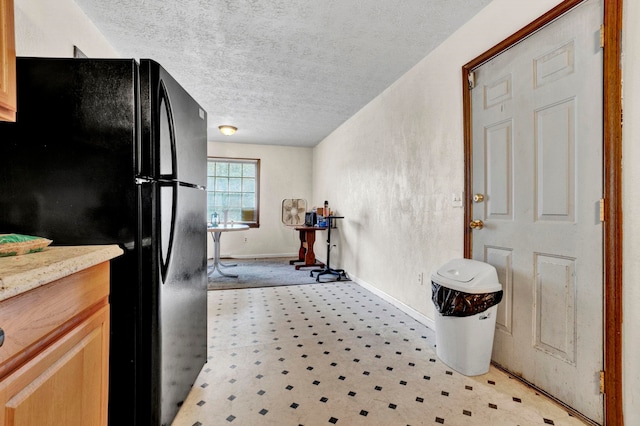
[[216, 232]]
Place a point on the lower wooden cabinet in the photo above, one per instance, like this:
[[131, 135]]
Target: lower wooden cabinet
[[59, 374]]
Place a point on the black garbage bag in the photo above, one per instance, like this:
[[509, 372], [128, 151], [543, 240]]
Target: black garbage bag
[[456, 303]]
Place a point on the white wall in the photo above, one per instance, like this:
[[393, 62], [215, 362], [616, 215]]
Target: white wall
[[631, 211], [52, 28], [392, 168], [285, 172]]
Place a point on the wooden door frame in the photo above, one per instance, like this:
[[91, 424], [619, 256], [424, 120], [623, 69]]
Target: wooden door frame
[[612, 183]]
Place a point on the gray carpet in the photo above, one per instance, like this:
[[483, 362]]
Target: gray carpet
[[264, 272]]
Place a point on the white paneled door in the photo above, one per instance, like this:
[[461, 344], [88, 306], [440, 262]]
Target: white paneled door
[[537, 162]]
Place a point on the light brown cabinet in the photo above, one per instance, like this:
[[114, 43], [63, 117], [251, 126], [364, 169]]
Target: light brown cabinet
[[54, 359], [8, 104]]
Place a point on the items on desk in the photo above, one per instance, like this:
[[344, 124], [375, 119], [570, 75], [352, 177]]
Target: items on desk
[[318, 216], [310, 219], [321, 217], [215, 220]]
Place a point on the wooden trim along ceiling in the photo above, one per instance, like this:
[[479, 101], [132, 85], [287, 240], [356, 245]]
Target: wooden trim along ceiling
[[612, 140]]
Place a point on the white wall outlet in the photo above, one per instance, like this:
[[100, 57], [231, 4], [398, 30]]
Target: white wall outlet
[[456, 199]]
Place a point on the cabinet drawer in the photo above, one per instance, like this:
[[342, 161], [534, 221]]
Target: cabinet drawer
[[34, 319], [65, 384]]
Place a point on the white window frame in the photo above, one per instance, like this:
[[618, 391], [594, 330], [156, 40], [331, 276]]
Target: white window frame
[[235, 201]]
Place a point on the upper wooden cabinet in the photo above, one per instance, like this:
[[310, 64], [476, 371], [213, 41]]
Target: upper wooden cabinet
[[7, 62]]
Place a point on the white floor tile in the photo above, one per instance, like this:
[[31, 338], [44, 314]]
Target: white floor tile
[[334, 353]]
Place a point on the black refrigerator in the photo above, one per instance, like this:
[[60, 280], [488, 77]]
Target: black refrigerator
[[108, 151]]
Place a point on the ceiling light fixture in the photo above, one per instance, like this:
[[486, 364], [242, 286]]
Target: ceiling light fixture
[[227, 130]]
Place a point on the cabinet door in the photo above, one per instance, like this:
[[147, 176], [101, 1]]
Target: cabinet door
[[66, 384], [7, 62]]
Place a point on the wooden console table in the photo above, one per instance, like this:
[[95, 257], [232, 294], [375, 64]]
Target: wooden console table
[[305, 253]]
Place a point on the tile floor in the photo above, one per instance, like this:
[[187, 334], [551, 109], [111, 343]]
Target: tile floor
[[335, 353]]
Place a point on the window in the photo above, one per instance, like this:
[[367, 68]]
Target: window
[[233, 186]]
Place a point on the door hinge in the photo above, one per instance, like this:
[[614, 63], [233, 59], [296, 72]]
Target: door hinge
[[601, 209], [602, 36], [602, 381], [471, 79]]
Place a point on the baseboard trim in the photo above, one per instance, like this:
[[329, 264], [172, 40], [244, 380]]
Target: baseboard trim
[[257, 256], [423, 319]]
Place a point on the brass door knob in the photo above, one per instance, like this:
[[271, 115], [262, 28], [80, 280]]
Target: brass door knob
[[476, 224], [478, 198]]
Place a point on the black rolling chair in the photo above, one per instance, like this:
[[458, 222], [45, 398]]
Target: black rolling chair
[[327, 270]]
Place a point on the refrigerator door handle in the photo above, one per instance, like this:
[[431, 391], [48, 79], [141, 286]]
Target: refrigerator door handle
[[167, 178], [167, 137], [167, 225]]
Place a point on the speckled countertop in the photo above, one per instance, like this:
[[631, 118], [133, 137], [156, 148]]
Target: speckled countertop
[[23, 273]]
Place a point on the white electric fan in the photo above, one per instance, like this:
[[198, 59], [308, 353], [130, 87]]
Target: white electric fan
[[293, 211]]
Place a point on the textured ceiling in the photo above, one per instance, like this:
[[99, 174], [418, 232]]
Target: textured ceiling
[[285, 72]]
